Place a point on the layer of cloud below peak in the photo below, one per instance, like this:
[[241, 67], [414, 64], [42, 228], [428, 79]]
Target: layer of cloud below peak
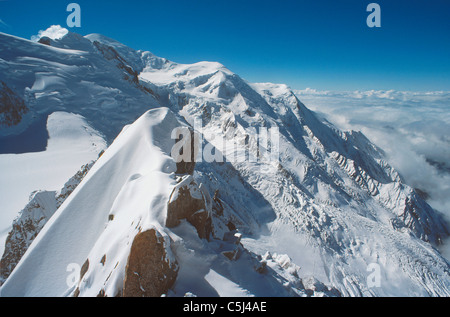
[[413, 128]]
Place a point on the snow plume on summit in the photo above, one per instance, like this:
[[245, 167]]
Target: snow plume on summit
[[316, 221]]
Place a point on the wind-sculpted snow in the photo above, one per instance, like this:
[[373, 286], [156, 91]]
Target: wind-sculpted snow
[[297, 206], [71, 75], [31, 220], [124, 193], [334, 187]]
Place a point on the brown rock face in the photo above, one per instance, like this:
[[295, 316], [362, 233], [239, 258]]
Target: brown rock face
[[25, 228], [185, 150], [148, 273], [189, 203], [45, 40], [12, 107], [129, 73], [31, 220]]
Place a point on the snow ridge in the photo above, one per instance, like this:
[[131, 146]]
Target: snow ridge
[[309, 223]]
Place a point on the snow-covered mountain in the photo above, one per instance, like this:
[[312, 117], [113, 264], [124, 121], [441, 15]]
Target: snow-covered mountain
[[31, 220], [314, 218]]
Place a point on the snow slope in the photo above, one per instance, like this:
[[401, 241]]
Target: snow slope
[[412, 127], [71, 144], [80, 226], [312, 220], [73, 75], [333, 188]]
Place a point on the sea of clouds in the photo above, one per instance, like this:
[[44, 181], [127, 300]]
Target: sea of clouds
[[413, 128]]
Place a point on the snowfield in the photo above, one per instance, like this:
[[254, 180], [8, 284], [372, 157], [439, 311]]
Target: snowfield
[[71, 143], [135, 194], [320, 219]]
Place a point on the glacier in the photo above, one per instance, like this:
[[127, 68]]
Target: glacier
[[310, 223]]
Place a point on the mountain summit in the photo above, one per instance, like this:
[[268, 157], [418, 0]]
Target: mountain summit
[[275, 203]]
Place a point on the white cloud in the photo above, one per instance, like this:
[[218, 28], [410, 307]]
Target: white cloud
[[55, 32]]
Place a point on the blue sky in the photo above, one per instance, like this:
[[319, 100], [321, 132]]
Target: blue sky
[[315, 43]]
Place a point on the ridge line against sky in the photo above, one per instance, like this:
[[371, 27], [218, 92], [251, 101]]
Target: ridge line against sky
[[322, 44]]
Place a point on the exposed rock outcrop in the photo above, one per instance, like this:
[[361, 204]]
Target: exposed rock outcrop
[[12, 107], [31, 220], [149, 272], [191, 202], [185, 150], [45, 40], [72, 183], [25, 228], [413, 212], [129, 73]]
